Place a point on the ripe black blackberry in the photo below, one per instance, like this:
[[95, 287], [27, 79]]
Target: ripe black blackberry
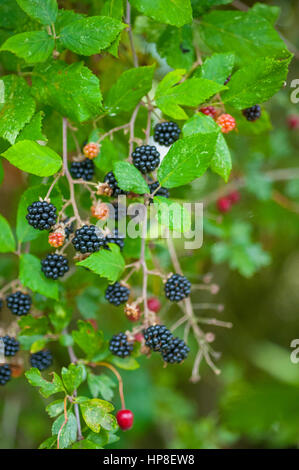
[[5, 374], [88, 239], [41, 215], [117, 294], [166, 133], [176, 352], [111, 180], [253, 113], [42, 359], [83, 169], [161, 191], [11, 346], [177, 288], [19, 303], [115, 237], [54, 266], [146, 158], [157, 337], [119, 345]]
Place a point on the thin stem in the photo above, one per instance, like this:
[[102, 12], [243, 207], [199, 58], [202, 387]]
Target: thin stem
[[112, 131], [118, 376], [65, 420]]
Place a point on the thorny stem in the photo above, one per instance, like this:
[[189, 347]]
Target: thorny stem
[[118, 376]]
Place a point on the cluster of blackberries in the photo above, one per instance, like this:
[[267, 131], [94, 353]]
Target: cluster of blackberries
[[159, 338], [117, 294], [42, 359], [5, 374], [253, 113], [166, 133], [11, 346], [41, 215], [120, 346], [111, 181], [177, 288], [54, 266], [146, 158], [84, 169], [88, 239], [161, 191], [19, 303]]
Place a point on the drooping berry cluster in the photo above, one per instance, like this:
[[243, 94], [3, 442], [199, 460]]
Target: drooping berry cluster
[[56, 239], [88, 239], [19, 303], [41, 215], [176, 352], [224, 204], [157, 337], [209, 111], [115, 237], [252, 113], [161, 191], [120, 346], [177, 288], [111, 181], [54, 266], [42, 359], [226, 122], [5, 374], [84, 170], [146, 158], [166, 133], [91, 150], [117, 294], [11, 346]]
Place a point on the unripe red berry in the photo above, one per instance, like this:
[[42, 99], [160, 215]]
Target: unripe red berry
[[226, 122], [234, 197], [56, 239], [293, 121], [154, 304], [125, 419], [139, 337], [209, 111], [132, 312], [224, 204], [91, 150]]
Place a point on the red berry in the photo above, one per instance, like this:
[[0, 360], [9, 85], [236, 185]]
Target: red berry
[[56, 239], [154, 304], [125, 419], [209, 111], [293, 121], [91, 150], [224, 204], [234, 197], [139, 337], [226, 122]]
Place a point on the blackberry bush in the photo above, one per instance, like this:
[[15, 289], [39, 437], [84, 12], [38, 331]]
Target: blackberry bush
[[157, 337], [120, 346], [177, 288], [41, 360], [166, 133], [111, 181], [253, 113], [88, 239], [117, 294], [84, 170], [5, 374], [54, 266], [41, 215], [11, 345], [146, 158], [176, 352], [19, 303]]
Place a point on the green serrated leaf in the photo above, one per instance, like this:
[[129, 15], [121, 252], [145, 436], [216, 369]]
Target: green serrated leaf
[[101, 385], [35, 46], [31, 276], [89, 340], [33, 158], [129, 178], [95, 413], [33, 130], [217, 67], [44, 11], [106, 263], [46, 388], [132, 85], [89, 36], [187, 159], [72, 376], [7, 240], [55, 408], [175, 12]]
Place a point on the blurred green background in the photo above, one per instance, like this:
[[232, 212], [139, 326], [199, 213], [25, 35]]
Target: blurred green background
[[253, 403]]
